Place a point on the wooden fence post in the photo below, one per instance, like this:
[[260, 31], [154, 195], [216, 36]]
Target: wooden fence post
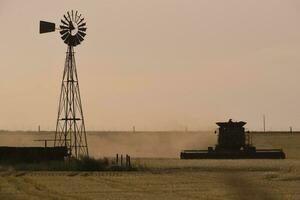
[[121, 159], [129, 163]]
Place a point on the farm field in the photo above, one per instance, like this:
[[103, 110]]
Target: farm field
[[163, 175]]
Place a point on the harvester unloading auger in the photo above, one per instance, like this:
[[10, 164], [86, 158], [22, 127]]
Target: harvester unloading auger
[[233, 143]]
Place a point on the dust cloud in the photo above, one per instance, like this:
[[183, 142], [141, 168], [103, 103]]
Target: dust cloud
[[138, 144]]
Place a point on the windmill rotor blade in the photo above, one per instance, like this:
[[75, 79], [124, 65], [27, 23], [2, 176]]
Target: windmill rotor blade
[[63, 27], [82, 29], [65, 36], [69, 16], [79, 37], [72, 41], [67, 40], [64, 31], [81, 25], [80, 21], [72, 15], [46, 27], [78, 18], [77, 40], [76, 15], [82, 34], [65, 23], [66, 18]]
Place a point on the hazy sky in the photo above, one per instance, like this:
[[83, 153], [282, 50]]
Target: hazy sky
[[158, 65]]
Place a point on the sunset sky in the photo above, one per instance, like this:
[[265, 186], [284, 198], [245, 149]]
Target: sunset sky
[[158, 65]]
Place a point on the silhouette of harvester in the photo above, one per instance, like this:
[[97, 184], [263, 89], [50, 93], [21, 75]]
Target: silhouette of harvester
[[233, 143]]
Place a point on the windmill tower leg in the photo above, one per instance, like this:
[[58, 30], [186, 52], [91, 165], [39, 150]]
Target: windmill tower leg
[[70, 128]]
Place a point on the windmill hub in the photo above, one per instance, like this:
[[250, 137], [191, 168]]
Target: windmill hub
[[74, 29]]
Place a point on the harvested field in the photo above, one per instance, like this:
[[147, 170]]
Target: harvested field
[[168, 178]]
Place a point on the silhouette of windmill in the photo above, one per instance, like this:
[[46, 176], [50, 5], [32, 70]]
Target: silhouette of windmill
[[70, 128]]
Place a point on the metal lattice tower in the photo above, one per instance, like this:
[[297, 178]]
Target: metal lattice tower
[[70, 128]]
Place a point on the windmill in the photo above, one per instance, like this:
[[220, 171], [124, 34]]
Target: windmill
[[70, 128]]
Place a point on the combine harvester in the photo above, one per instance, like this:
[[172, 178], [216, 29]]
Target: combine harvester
[[233, 143]]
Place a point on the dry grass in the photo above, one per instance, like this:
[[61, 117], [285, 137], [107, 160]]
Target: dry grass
[[154, 184]]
